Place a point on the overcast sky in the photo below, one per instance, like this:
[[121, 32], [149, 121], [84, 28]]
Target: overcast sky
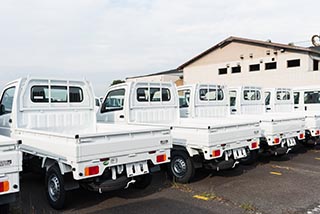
[[103, 40]]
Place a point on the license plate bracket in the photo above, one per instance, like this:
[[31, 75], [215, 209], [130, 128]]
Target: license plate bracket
[[291, 142], [239, 153], [136, 169]]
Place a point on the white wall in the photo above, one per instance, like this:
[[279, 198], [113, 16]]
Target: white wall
[[205, 70]]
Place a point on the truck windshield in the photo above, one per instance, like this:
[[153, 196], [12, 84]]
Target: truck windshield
[[114, 101], [7, 99], [184, 98]]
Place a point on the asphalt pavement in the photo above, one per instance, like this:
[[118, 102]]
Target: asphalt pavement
[[271, 185]]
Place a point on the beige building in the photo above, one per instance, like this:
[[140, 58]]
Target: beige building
[[239, 61], [175, 76]]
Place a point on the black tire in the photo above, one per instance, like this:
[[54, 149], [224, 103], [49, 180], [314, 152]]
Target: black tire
[[4, 209], [181, 167], [251, 158], [143, 181], [55, 191]]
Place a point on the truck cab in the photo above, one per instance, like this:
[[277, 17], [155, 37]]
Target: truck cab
[[197, 142], [280, 130], [307, 102]]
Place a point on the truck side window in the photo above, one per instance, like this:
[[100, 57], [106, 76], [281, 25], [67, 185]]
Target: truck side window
[[184, 98], [296, 96], [267, 99], [114, 101], [7, 99]]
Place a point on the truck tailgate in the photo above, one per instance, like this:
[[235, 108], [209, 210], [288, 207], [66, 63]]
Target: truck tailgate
[[118, 140]]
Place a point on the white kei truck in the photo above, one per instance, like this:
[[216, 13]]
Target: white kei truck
[[307, 102], [211, 143], [55, 120], [279, 130], [10, 166]]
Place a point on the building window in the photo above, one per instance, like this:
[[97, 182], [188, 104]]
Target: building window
[[255, 67], [236, 69], [223, 71], [316, 65], [271, 65], [293, 63]]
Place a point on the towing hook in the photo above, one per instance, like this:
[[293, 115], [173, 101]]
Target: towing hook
[[235, 163], [130, 182]]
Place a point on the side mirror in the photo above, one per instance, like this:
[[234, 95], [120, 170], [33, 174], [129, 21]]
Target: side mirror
[[2, 109]]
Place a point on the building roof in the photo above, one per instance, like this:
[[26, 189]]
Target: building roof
[[267, 44], [169, 72]]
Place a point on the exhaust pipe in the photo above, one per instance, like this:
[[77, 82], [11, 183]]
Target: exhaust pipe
[[235, 163], [129, 183]]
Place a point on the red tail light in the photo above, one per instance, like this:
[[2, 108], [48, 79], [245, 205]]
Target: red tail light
[[254, 145], [317, 132], [276, 140], [216, 153], [92, 170], [161, 158], [4, 186], [301, 136]]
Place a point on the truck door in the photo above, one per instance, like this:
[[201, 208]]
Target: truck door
[[233, 101], [297, 104], [184, 102], [267, 96], [112, 108], [6, 109]]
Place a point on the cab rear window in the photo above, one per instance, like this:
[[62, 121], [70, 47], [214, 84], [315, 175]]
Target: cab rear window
[[211, 94], [56, 94], [153, 94]]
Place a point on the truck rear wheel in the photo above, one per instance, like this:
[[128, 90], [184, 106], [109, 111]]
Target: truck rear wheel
[[181, 167], [4, 209], [55, 191]]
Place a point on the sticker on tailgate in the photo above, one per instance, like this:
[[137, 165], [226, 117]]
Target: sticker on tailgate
[[5, 163]]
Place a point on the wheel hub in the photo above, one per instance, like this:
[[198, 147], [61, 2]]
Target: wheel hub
[[179, 167], [54, 188]]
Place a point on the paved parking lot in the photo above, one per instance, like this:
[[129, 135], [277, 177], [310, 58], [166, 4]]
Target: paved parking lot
[[272, 185]]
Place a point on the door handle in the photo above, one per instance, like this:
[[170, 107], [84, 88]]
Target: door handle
[[121, 116], [268, 109], [10, 121], [296, 107]]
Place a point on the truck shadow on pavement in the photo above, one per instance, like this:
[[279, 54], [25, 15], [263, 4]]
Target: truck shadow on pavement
[[32, 198], [155, 206]]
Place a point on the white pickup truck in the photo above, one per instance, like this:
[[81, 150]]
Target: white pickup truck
[[307, 101], [279, 130], [197, 142], [55, 120], [10, 166]]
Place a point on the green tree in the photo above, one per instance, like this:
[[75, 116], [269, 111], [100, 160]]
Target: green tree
[[115, 82]]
